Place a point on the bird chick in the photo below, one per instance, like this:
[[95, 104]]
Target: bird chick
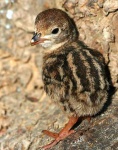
[[74, 75]]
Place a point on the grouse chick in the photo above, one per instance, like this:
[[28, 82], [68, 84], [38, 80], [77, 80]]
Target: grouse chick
[[73, 74]]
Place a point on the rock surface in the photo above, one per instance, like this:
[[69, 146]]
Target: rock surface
[[22, 120]]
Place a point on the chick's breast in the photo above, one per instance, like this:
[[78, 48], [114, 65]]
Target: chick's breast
[[74, 77]]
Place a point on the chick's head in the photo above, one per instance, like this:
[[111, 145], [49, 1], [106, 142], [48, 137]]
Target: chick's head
[[54, 27]]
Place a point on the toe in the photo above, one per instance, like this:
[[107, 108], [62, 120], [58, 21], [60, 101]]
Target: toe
[[51, 134]]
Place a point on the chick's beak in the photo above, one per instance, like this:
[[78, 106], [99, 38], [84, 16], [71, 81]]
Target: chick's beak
[[36, 39]]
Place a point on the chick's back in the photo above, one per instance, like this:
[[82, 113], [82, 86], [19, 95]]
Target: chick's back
[[75, 77]]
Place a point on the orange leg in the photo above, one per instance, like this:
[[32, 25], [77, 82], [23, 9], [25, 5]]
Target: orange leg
[[66, 131]]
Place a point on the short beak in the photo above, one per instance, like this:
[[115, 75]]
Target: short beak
[[36, 39]]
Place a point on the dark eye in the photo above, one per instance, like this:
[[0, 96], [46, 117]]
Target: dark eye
[[55, 31]]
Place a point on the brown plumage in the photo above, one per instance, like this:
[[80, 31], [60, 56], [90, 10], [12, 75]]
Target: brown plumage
[[73, 74]]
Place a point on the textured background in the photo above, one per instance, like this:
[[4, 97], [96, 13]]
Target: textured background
[[21, 121]]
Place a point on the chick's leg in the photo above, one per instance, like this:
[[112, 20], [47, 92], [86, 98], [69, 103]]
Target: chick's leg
[[66, 131]]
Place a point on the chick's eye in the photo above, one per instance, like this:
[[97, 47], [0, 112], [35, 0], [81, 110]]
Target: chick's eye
[[55, 31]]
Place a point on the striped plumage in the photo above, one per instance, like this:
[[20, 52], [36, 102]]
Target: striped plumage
[[74, 75], [75, 78]]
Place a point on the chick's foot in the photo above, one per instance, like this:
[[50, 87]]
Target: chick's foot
[[65, 132]]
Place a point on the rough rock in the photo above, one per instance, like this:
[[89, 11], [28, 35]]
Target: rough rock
[[23, 119]]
